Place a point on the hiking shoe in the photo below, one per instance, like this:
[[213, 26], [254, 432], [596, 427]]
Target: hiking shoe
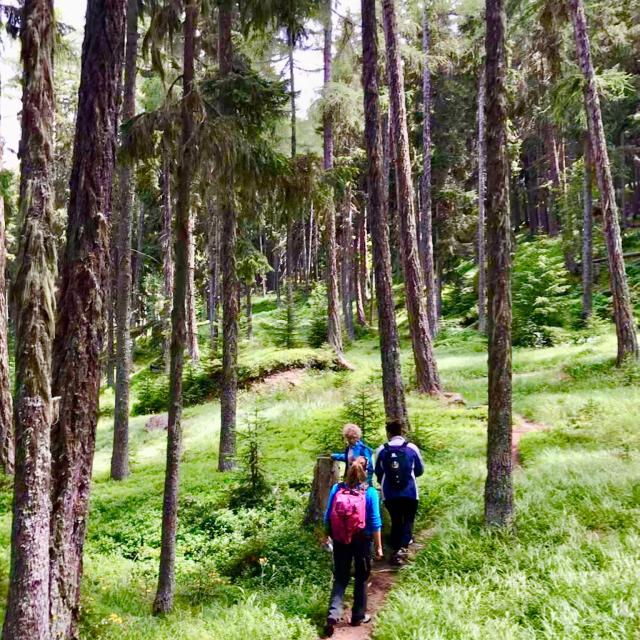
[[357, 623], [397, 559], [403, 552], [329, 627]]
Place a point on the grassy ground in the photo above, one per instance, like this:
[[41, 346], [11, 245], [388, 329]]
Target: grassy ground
[[569, 570]]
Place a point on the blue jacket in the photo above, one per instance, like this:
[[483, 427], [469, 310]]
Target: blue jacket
[[411, 490], [358, 449], [372, 508]]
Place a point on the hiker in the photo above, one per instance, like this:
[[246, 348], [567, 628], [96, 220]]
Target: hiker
[[352, 520], [398, 464], [355, 448]]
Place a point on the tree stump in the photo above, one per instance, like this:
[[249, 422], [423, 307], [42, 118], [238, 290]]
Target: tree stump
[[325, 474]]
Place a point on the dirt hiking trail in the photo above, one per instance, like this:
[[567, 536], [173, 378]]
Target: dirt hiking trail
[[382, 579]]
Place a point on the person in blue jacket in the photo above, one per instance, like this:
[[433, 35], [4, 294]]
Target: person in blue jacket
[[357, 552], [398, 464], [355, 448]]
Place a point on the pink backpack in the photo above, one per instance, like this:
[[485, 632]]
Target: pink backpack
[[348, 514]]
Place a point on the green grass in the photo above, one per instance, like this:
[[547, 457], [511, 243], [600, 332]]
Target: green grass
[[568, 570]]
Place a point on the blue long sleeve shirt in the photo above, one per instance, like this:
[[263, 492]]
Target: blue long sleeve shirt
[[372, 510], [356, 451]]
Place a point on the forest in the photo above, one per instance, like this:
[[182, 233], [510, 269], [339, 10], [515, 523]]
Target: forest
[[228, 228]]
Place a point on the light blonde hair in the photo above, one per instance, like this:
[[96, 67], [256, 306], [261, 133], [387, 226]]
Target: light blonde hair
[[357, 473], [350, 429]]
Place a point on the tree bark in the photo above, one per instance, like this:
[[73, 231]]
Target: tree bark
[[82, 304], [392, 385], [587, 236], [230, 289], [426, 218], [167, 249], [622, 311], [120, 455], [213, 246], [137, 260], [346, 272], [325, 474], [249, 309], [27, 613], [163, 602], [192, 320], [498, 495], [482, 194], [7, 448], [551, 149], [334, 328], [427, 378], [360, 252]]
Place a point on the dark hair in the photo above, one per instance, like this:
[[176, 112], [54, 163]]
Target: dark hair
[[394, 428]]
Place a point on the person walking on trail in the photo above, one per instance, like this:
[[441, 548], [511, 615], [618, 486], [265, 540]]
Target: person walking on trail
[[355, 448], [398, 464], [352, 520]]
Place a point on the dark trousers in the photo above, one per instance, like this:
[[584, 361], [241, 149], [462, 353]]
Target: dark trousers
[[403, 515], [357, 553]]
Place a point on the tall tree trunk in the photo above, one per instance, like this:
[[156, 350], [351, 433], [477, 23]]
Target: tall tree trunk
[[138, 258], [346, 272], [230, 288], [213, 247], [334, 329], [427, 378], [623, 183], [192, 320], [482, 194], [249, 310], [81, 313], [167, 249], [498, 495], [6, 405], [27, 613], [290, 268], [360, 252], [530, 182], [551, 149], [426, 219], [166, 577], [120, 455], [622, 311], [587, 236], [392, 385], [111, 323]]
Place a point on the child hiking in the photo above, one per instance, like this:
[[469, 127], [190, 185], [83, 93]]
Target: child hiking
[[355, 448], [398, 464], [352, 520]]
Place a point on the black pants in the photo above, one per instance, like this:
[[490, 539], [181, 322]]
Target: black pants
[[357, 553], [403, 515]]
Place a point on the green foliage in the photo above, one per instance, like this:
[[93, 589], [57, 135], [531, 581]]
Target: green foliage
[[540, 288], [317, 331], [364, 408], [253, 487], [284, 331]]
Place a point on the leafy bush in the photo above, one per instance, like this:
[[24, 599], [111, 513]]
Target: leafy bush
[[540, 287]]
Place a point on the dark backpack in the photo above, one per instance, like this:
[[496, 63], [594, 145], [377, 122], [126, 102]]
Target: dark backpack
[[397, 465]]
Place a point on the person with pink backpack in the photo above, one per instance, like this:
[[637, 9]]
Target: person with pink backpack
[[352, 520]]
